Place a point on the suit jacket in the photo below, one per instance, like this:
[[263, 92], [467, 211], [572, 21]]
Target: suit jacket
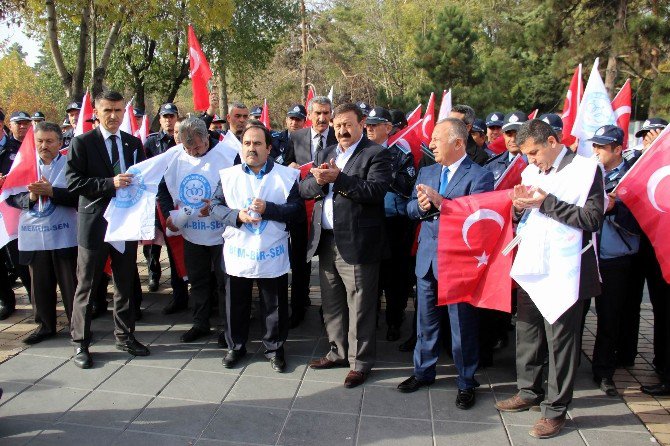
[[90, 174], [468, 179], [588, 218], [358, 203], [498, 164], [302, 144]]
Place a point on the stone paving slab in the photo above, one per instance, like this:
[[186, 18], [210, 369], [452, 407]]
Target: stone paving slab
[[181, 394]]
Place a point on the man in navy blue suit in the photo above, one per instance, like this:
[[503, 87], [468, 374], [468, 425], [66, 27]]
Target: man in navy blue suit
[[454, 175]]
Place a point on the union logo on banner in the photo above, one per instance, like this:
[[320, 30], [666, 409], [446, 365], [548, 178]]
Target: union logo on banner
[[193, 189], [128, 196]]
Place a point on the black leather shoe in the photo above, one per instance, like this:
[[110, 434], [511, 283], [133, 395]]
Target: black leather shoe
[[82, 358], [5, 311], [278, 364], [662, 389], [175, 307], [153, 284], [222, 340], [233, 357], [606, 385], [132, 346], [295, 319], [194, 334], [37, 337], [465, 399], [408, 345], [412, 384], [393, 333]]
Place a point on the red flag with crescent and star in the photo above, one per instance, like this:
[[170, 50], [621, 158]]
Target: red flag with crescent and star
[[414, 116], [571, 104], [425, 129], [645, 190], [471, 268], [265, 115], [200, 72], [512, 175], [621, 104]]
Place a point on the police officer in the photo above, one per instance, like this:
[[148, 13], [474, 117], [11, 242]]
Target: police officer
[[478, 135], [555, 122], [398, 120], [618, 242], [649, 131], [499, 163], [494, 123], [394, 277], [217, 123], [73, 109], [38, 116], [282, 148], [156, 144], [19, 123], [256, 112]]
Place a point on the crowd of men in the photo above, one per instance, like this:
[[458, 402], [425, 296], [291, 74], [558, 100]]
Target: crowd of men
[[243, 220]]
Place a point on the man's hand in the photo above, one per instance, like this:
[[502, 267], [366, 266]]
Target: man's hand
[[326, 173], [611, 199], [294, 165], [244, 217], [204, 211], [213, 102], [527, 198], [170, 225], [257, 205], [123, 180], [40, 188], [428, 196]]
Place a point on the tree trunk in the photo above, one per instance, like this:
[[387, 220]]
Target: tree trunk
[[100, 71], [303, 17], [618, 29], [77, 89]]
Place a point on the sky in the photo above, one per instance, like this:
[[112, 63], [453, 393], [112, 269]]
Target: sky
[[15, 35]]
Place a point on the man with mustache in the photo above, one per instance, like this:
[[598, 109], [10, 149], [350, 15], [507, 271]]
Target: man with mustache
[[349, 181], [96, 166], [306, 144]]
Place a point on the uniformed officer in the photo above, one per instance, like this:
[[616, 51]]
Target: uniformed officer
[[649, 131], [255, 112], [73, 109], [65, 127], [156, 144], [555, 122], [217, 123], [138, 114], [282, 148], [494, 123], [19, 123], [365, 107], [394, 277], [478, 135], [398, 120], [499, 163], [38, 116]]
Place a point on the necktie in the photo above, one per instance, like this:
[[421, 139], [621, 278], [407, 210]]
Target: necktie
[[319, 145], [115, 155], [444, 180]]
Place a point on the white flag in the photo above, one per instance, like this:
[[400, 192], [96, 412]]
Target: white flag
[[330, 94], [445, 106], [595, 111], [126, 125], [131, 214]]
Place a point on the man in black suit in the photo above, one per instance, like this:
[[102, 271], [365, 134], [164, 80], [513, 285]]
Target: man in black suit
[[349, 181], [306, 143], [537, 338], [96, 166]]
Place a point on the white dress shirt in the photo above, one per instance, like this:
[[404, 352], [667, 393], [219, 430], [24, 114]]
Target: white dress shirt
[[314, 142], [453, 167], [108, 144], [340, 162]]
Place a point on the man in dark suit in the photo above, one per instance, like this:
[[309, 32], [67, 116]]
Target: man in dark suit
[[349, 181], [305, 144], [454, 175], [96, 166], [537, 338]]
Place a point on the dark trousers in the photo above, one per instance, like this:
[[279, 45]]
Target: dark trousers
[[152, 254], [300, 269], [615, 289], [49, 269], [200, 262], [90, 269], [21, 270], [535, 340], [394, 278], [273, 294], [464, 327], [7, 296]]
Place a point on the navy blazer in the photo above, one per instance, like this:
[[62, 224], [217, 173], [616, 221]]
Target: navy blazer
[[468, 179]]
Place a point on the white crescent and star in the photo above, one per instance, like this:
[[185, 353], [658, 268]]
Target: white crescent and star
[[653, 183], [481, 214], [196, 60], [423, 125]]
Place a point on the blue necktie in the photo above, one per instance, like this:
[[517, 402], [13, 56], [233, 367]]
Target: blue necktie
[[444, 180]]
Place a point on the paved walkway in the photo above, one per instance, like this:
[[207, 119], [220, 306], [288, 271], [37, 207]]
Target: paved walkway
[[181, 394]]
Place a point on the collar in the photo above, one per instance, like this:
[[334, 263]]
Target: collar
[[617, 168], [106, 133], [385, 143], [313, 134], [453, 167], [53, 161], [559, 158], [264, 170], [350, 149]]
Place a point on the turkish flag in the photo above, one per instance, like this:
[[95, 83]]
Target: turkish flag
[[471, 268], [265, 115], [533, 114], [571, 104], [645, 190], [622, 109], [498, 145], [408, 139], [415, 116], [200, 72], [85, 114], [425, 131], [310, 96], [309, 204], [445, 105], [24, 169], [512, 175], [129, 125], [143, 131]]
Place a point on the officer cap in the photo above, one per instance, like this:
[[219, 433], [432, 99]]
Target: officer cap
[[553, 120], [495, 119], [138, 113], [73, 106], [297, 111], [514, 120], [379, 115], [650, 124], [608, 134], [479, 126], [256, 111], [38, 116], [19, 116], [365, 108], [168, 109], [217, 118]]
